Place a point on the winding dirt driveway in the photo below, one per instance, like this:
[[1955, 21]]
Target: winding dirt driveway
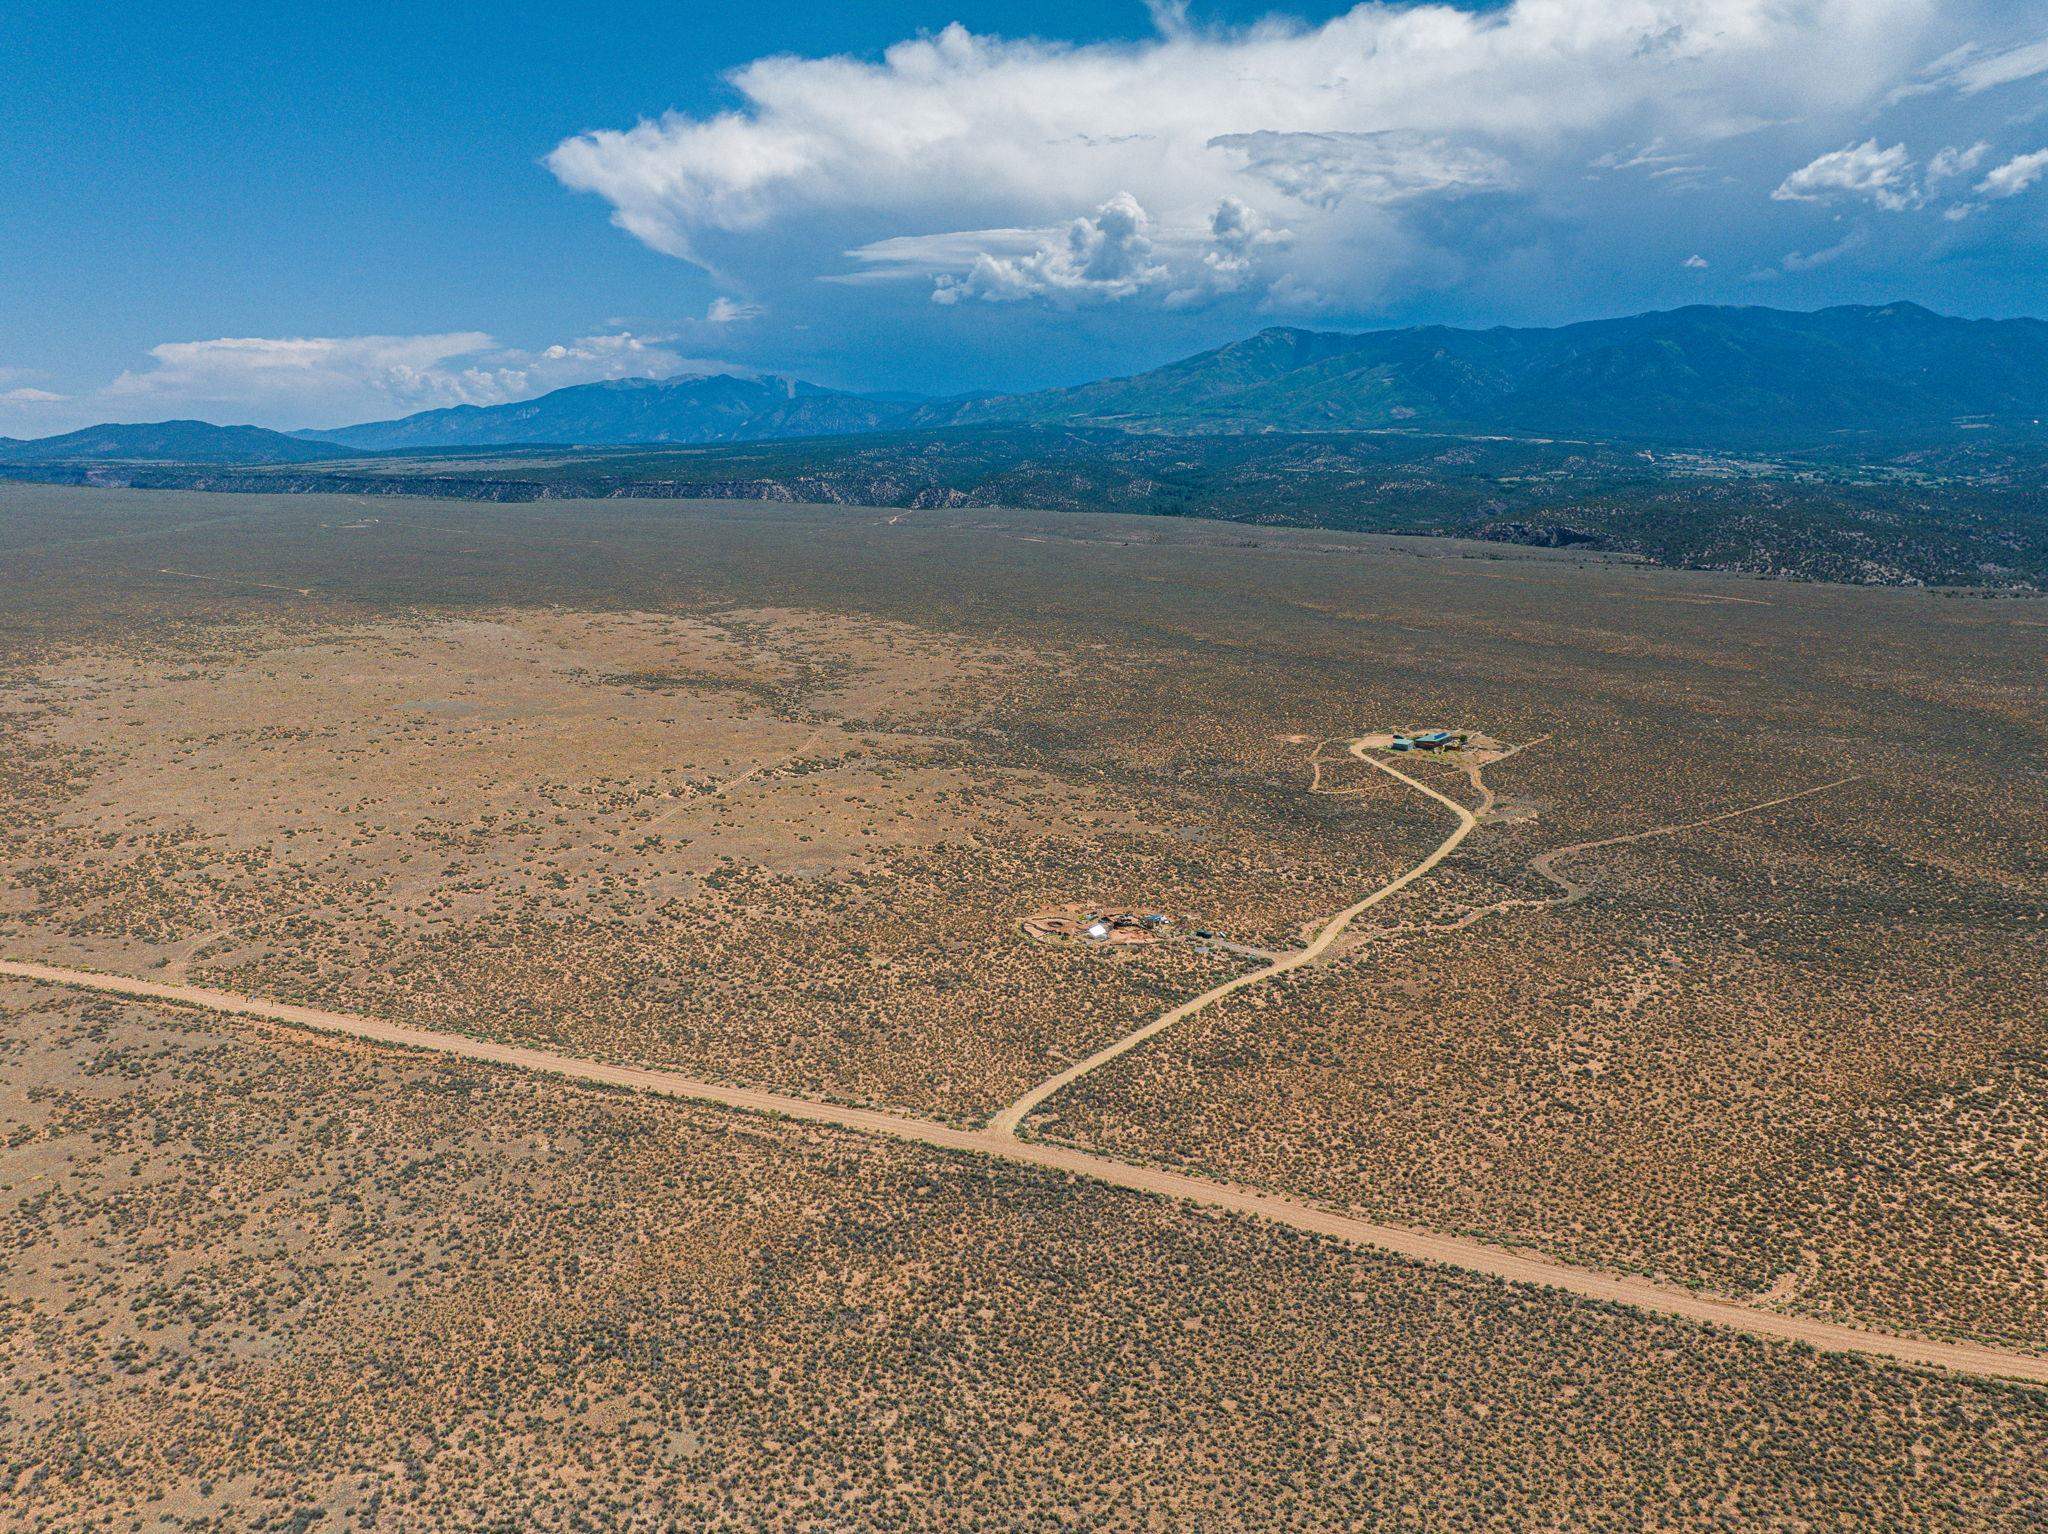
[[1006, 1122], [1424, 1246]]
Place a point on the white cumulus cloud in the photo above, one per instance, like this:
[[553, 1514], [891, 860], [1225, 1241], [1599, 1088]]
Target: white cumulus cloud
[[1952, 161], [1104, 255], [1113, 253], [302, 380], [1239, 237], [1860, 172], [2015, 175], [240, 369], [962, 147]]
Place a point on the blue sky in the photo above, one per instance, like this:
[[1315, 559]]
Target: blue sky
[[305, 215]]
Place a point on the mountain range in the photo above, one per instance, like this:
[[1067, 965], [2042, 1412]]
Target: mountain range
[[169, 442], [719, 408], [1701, 376], [1706, 378]]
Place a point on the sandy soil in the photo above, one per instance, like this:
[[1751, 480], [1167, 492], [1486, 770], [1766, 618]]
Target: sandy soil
[[1451, 1251]]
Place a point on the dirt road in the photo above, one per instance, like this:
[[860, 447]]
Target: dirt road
[[1545, 864], [1571, 891], [1006, 1122], [1450, 1251]]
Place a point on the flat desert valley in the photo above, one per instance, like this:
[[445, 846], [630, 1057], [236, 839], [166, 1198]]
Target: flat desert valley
[[687, 1015]]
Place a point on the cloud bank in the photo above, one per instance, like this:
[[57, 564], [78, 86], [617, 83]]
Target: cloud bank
[[1002, 170], [342, 379]]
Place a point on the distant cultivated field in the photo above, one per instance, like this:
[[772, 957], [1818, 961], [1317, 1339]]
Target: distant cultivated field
[[764, 792]]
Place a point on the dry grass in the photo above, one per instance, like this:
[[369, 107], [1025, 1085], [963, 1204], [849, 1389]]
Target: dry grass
[[763, 793], [253, 1281], [767, 847]]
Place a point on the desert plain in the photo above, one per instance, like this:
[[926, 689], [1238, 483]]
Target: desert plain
[[1718, 972]]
